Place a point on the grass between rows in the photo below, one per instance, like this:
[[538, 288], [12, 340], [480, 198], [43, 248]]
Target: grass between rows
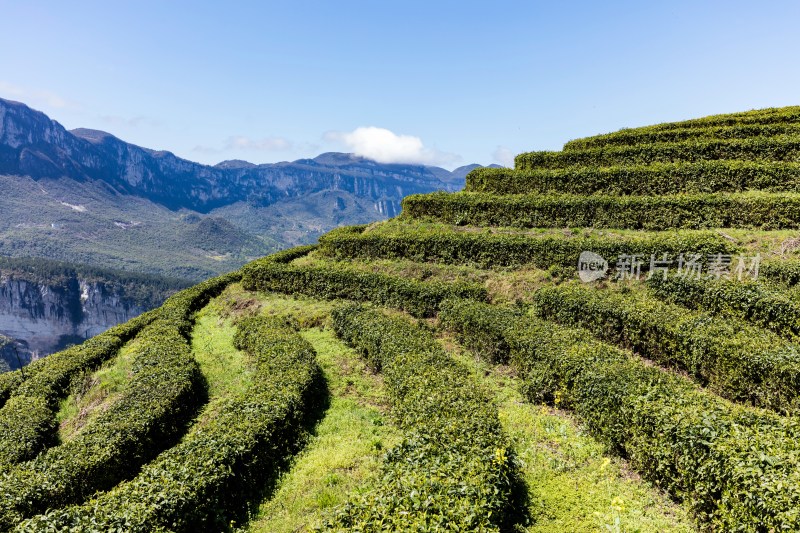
[[573, 485], [93, 392], [347, 447]]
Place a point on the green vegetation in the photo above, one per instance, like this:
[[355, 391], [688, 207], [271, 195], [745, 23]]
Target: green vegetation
[[94, 392], [754, 302], [736, 467], [653, 179], [454, 469], [145, 290], [651, 135], [447, 244], [779, 148], [28, 420], [227, 371], [577, 389], [573, 484], [419, 299], [163, 394], [735, 360], [204, 481], [97, 226], [695, 211], [345, 452]]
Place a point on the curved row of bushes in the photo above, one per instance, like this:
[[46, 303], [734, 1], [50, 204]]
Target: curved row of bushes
[[769, 115], [164, 392], [647, 135], [28, 418], [654, 179], [736, 360], [779, 148], [204, 482], [738, 467], [786, 271], [453, 471], [486, 250], [696, 211], [57, 369], [421, 299], [746, 300]]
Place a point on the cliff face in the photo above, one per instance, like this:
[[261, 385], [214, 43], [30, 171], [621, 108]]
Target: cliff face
[[33, 145], [44, 318]]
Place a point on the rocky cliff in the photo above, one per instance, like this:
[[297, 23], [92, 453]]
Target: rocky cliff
[[31, 144], [45, 318]]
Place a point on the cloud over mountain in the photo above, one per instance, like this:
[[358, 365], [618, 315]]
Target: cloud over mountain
[[385, 146]]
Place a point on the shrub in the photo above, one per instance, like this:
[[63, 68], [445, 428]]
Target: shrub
[[740, 362], [738, 467], [203, 482], [453, 470], [486, 250], [697, 211], [653, 179], [745, 300], [780, 148], [417, 297], [27, 420], [649, 135], [163, 394], [785, 271]]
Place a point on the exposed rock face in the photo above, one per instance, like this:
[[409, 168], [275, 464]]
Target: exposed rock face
[[45, 318], [33, 145]]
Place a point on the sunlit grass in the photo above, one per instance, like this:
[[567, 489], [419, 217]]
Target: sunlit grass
[[573, 484], [346, 451]]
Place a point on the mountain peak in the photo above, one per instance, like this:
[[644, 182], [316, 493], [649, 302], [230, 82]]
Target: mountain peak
[[93, 136], [234, 163]]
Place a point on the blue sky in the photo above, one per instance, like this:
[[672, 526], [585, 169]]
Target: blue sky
[[441, 82]]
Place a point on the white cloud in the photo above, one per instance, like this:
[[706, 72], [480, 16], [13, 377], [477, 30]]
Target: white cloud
[[385, 146], [504, 156], [35, 96]]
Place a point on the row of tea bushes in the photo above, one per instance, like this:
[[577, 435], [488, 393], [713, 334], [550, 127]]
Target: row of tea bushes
[[738, 467], [204, 482], [28, 418], [164, 392], [785, 271], [58, 369], [738, 361], [645, 180], [746, 300], [779, 148], [649, 135], [421, 299], [770, 115], [688, 211], [454, 470], [486, 250]]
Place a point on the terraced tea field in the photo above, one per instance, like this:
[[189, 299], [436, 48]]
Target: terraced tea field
[[600, 339]]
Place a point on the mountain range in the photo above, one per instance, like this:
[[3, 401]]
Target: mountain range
[[85, 196]]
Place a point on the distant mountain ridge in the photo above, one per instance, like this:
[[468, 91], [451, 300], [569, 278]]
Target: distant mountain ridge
[[31, 144], [85, 196]]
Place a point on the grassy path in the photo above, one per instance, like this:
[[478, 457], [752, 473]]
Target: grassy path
[[93, 392], [573, 486], [346, 449]]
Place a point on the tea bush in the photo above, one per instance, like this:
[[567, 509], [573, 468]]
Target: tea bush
[[738, 361], [205, 480], [688, 211], [418, 298], [454, 470], [738, 467]]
